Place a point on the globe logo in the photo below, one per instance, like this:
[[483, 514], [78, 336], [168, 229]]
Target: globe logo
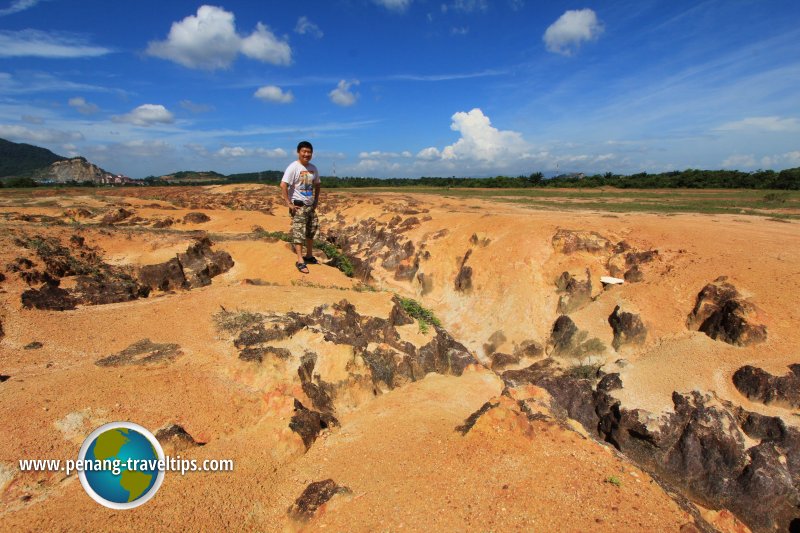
[[121, 465]]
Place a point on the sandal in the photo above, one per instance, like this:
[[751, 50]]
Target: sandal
[[302, 267], [311, 260]]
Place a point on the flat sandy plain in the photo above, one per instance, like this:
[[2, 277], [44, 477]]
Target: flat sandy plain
[[395, 447]]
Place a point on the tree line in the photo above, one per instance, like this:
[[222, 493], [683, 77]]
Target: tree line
[[788, 179]]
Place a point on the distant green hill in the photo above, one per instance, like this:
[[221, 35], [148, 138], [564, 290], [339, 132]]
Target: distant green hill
[[19, 159]]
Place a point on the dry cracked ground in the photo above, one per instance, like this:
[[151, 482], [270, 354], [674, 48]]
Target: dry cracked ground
[[544, 400]]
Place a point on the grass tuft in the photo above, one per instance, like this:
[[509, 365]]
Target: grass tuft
[[425, 317]]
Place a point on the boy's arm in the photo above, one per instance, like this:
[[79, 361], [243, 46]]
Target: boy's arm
[[316, 194], [285, 191]]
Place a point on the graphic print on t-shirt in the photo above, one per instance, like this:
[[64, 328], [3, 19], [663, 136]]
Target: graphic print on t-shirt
[[305, 183]]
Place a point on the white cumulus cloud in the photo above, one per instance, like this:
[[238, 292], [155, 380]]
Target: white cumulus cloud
[[394, 5], [35, 43], [739, 161], [272, 93], [306, 27], [82, 106], [572, 28], [146, 115], [38, 135], [481, 141], [787, 160], [429, 154], [230, 152], [209, 40], [342, 95]]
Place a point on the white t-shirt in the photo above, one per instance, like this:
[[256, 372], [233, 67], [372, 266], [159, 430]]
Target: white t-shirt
[[301, 180]]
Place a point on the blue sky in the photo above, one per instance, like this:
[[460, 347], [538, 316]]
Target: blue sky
[[405, 88]]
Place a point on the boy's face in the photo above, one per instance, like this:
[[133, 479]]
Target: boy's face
[[304, 155]]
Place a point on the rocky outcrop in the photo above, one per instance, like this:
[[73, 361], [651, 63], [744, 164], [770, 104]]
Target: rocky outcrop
[[382, 360], [700, 447], [116, 216], [191, 269], [75, 169], [463, 281], [315, 496], [566, 340], [174, 439], [96, 282], [575, 293], [628, 328], [762, 386], [195, 217], [49, 297], [108, 287], [723, 314], [143, 352], [570, 241], [625, 262], [309, 424]]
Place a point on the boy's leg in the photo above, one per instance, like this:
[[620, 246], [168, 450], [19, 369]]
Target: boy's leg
[[312, 228], [298, 233]]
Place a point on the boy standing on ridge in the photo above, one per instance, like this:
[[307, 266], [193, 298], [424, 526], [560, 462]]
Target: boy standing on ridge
[[300, 186]]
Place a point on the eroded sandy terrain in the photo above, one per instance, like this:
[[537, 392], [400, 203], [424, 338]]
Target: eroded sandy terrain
[[390, 396]]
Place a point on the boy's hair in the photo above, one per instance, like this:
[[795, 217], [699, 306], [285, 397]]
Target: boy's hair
[[304, 144]]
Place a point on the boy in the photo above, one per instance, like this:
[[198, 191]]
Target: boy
[[300, 186]]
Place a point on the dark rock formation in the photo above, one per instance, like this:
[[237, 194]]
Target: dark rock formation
[[495, 340], [463, 280], [315, 496], [528, 348], [49, 297], [762, 386], [309, 424], [200, 263], [116, 215], [576, 293], [163, 276], [569, 241], [4, 378], [272, 327], [191, 269], [258, 353], [501, 360], [699, 447], [473, 418], [174, 439], [721, 313], [195, 218], [566, 340], [142, 352], [628, 328], [406, 269], [319, 392], [444, 355], [35, 345], [164, 223], [625, 263], [426, 282], [111, 286]]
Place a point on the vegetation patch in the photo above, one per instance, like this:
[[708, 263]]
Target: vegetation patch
[[425, 317]]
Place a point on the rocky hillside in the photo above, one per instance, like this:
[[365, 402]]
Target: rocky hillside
[[76, 169], [21, 160]]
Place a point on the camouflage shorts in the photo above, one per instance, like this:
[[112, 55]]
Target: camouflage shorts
[[305, 224]]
